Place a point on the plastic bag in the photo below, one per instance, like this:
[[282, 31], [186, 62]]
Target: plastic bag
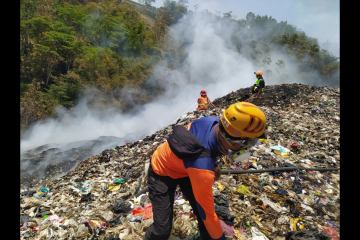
[[292, 207], [221, 200], [95, 224], [329, 231], [224, 213], [30, 193], [114, 188], [186, 208], [119, 181], [219, 186], [82, 231], [32, 202], [273, 205], [72, 223], [283, 219], [282, 192], [297, 187], [107, 215], [144, 212], [257, 235], [120, 206], [228, 230], [243, 190]]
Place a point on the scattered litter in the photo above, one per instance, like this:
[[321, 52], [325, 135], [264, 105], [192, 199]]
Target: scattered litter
[[103, 197]]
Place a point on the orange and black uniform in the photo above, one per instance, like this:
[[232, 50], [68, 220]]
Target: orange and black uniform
[[203, 103], [195, 179]]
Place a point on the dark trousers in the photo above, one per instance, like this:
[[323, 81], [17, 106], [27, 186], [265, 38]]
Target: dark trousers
[[161, 194]]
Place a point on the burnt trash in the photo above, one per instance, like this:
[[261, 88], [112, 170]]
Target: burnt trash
[[120, 206], [306, 235]]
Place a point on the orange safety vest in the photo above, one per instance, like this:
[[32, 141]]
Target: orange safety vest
[[203, 103]]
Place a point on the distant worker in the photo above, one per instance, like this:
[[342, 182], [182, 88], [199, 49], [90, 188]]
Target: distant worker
[[178, 161], [258, 86], [203, 101]]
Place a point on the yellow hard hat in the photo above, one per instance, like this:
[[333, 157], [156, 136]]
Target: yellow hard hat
[[259, 73], [243, 119]]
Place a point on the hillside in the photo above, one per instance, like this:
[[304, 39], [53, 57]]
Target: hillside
[[75, 49]]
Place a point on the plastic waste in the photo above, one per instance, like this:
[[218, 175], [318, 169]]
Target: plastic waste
[[307, 129], [240, 234], [280, 150], [228, 230], [257, 235], [221, 200], [120, 206], [82, 231], [240, 156], [224, 214], [243, 190], [113, 237], [119, 181], [329, 231], [219, 186], [145, 213], [92, 223], [281, 192], [182, 225], [306, 235], [87, 198]]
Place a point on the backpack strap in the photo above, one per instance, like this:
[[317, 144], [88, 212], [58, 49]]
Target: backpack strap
[[186, 146]]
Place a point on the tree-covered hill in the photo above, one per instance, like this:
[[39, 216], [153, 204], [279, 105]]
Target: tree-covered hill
[[96, 48]]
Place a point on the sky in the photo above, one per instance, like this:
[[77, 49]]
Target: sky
[[317, 18]]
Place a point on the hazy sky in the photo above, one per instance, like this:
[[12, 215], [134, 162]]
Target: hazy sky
[[317, 18]]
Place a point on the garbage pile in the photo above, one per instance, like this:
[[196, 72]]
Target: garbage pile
[[105, 197]]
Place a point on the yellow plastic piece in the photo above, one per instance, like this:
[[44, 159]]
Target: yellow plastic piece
[[243, 190]]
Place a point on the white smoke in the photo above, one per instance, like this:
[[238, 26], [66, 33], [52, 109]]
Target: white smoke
[[212, 63]]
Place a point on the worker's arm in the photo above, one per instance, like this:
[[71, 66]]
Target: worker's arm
[[211, 103], [201, 182], [217, 171], [258, 93]]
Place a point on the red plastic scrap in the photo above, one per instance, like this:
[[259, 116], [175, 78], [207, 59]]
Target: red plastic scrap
[[331, 232], [144, 212], [311, 173]]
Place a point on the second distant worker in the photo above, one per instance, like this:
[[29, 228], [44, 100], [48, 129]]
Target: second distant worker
[[203, 101], [258, 87]]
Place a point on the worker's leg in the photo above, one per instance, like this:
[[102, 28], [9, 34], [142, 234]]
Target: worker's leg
[[254, 101], [161, 194], [186, 188]]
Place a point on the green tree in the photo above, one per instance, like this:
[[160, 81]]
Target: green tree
[[73, 16], [33, 106], [147, 2], [162, 21], [250, 16]]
